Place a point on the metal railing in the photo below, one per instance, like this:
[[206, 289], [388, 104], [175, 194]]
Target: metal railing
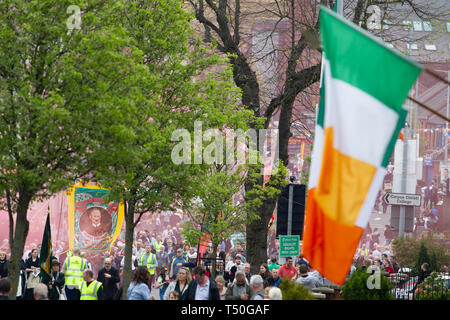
[[407, 286]]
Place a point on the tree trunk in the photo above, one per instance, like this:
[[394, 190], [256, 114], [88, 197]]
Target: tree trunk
[[257, 232], [129, 239], [11, 219], [213, 261], [21, 232]]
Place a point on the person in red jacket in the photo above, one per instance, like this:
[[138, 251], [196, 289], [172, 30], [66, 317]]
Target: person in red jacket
[[287, 270]]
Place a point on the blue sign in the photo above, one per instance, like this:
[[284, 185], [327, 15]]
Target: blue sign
[[428, 161]]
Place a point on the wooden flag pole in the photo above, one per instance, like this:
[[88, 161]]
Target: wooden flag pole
[[429, 109], [437, 76]]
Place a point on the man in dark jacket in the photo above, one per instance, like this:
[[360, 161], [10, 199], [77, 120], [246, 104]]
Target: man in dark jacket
[[202, 288], [239, 290], [109, 277], [424, 272]]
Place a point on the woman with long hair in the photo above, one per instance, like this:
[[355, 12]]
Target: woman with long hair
[[264, 271], [181, 283], [139, 287], [162, 282], [32, 269]]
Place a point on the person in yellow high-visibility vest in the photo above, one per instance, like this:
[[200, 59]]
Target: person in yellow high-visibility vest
[[91, 289], [157, 243], [148, 259], [73, 268]]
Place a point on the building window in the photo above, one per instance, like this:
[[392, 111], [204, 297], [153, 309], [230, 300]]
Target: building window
[[427, 26], [417, 25], [430, 47], [448, 26], [413, 46]]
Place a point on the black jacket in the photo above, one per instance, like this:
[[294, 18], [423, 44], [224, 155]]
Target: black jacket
[[109, 284], [4, 268], [189, 294], [423, 275], [58, 280]]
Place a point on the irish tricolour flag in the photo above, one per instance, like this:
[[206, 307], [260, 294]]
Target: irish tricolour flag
[[364, 86]]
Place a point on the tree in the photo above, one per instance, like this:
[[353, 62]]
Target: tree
[[185, 94], [295, 291], [357, 287], [422, 257], [62, 92], [278, 79], [214, 212], [226, 23], [408, 250]]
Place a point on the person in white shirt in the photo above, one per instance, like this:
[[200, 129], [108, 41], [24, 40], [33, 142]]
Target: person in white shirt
[[133, 259], [230, 264], [376, 254]]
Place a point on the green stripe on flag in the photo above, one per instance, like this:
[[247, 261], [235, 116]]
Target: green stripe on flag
[[360, 59], [321, 112]]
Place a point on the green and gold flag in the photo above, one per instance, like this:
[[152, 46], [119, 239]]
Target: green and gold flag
[[45, 257]]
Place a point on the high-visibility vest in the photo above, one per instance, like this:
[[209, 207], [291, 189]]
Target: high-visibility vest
[[74, 271], [89, 292], [150, 263], [157, 245]]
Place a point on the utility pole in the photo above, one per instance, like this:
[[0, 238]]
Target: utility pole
[[340, 7], [446, 123], [404, 179], [291, 199]]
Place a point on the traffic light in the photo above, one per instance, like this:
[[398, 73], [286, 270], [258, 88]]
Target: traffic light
[[298, 210]]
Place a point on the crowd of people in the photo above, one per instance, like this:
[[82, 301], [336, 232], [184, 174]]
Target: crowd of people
[[163, 264]]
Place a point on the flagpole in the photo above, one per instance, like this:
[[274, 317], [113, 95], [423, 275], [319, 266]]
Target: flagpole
[[437, 76], [430, 109]]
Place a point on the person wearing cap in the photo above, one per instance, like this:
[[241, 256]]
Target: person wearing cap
[[238, 266], [177, 262], [56, 284]]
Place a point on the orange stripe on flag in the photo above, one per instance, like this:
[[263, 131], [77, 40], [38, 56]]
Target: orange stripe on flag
[[328, 245], [343, 184]]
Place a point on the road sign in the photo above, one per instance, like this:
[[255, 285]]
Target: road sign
[[289, 246], [238, 237], [403, 199]]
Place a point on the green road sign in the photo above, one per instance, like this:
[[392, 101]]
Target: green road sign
[[289, 246], [238, 237]]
